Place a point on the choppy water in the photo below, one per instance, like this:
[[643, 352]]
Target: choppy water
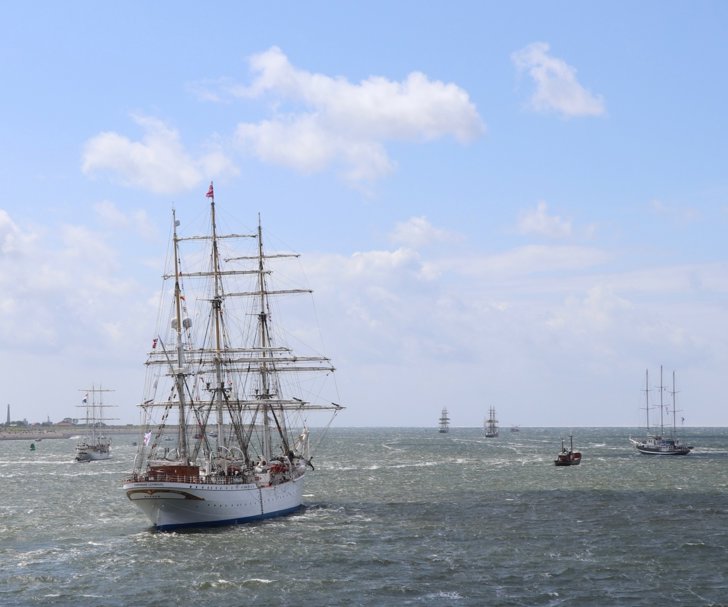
[[394, 517]]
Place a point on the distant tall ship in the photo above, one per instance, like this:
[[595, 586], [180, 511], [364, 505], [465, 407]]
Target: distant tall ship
[[226, 438], [95, 444], [444, 422], [657, 443], [491, 424]]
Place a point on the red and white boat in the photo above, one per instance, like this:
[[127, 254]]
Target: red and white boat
[[568, 457]]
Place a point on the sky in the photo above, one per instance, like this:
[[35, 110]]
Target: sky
[[519, 205]]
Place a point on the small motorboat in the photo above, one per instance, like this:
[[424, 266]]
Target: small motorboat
[[568, 457]]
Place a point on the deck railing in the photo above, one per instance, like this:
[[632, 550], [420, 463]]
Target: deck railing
[[190, 480]]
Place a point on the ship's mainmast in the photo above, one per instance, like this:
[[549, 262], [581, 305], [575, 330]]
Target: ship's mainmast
[[218, 326], [179, 343]]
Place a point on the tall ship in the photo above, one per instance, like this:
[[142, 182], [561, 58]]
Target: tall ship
[[656, 443], [490, 426], [95, 444], [226, 436], [444, 426]]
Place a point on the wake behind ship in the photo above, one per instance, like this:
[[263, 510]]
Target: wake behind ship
[[226, 438]]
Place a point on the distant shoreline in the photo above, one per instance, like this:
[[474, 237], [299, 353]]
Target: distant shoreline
[[35, 433], [43, 433]]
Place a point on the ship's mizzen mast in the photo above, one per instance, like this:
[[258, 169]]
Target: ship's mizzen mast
[[264, 338], [267, 392], [647, 398], [662, 405], [674, 407]]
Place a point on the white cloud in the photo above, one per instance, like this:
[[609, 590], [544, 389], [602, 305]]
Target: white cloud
[[143, 225], [538, 221], [318, 122], [418, 232], [675, 213], [347, 124], [12, 240], [598, 310], [383, 263], [298, 143], [63, 289], [557, 88], [520, 262], [112, 217], [158, 163]]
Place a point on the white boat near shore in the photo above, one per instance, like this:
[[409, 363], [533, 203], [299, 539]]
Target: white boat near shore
[[95, 445]]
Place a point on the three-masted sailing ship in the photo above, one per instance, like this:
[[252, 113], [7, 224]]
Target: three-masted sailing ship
[[656, 443], [95, 444], [490, 425], [444, 425], [226, 438]]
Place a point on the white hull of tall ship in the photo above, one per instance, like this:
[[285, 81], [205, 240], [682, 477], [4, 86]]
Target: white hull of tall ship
[[175, 505], [92, 453]]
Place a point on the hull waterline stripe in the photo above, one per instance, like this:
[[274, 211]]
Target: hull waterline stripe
[[231, 521]]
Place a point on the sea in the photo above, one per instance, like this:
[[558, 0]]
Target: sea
[[393, 516]]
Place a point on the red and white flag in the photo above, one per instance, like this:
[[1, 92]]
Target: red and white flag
[[210, 192]]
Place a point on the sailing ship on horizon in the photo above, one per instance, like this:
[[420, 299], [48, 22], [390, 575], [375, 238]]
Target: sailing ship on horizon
[[227, 390], [444, 426], [490, 426], [657, 443]]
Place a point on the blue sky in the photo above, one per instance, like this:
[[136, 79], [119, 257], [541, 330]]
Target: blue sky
[[520, 205]]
